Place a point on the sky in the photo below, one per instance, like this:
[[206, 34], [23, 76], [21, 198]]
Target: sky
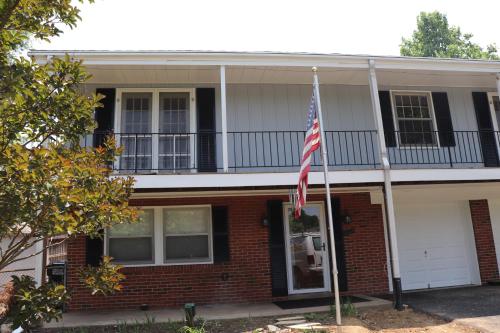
[[349, 26]]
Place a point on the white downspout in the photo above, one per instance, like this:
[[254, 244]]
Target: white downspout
[[389, 203]]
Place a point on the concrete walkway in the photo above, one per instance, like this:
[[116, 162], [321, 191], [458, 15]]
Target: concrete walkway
[[478, 307], [207, 312]]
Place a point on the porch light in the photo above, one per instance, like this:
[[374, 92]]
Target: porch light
[[346, 219], [265, 221]]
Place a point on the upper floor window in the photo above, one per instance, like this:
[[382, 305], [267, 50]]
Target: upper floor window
[[155, 128], [414, 118]]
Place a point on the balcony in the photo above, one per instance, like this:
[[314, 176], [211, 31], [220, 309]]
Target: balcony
[[280, 151]]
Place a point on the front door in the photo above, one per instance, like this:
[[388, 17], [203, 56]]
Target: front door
[[306, 250]]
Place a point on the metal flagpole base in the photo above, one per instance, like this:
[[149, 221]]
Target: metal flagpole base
[[398, 294]]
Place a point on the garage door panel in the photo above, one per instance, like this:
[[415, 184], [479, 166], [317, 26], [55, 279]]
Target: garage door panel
[[433, 245]]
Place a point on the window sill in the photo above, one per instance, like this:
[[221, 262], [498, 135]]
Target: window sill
[[125, 265]]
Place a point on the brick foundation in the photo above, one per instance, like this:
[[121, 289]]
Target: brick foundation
[[248, 271], [483, 235]]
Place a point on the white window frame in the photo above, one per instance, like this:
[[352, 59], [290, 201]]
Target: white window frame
[[430, 103], [159, 240], [326, 260], [210, 238], [153, 238], [155, 121]]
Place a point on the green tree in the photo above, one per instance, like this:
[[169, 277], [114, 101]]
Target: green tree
[[49, 184], [434, 37]]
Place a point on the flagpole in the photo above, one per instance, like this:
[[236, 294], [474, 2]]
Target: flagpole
[[328, 200]]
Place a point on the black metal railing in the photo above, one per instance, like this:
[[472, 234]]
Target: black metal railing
[[442, 149], [163, 152], [254, 151]]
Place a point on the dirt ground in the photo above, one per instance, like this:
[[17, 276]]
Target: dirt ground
[[387, 320], [372, 320]]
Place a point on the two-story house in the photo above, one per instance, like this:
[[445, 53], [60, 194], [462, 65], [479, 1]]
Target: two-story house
[[214, 141]]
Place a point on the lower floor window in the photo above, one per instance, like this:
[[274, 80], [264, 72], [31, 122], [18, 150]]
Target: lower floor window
[[164, 235], [133, 242], [187, 234]]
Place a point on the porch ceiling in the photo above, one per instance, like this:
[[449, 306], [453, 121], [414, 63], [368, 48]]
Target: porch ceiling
[[201, 67], [173, 74]]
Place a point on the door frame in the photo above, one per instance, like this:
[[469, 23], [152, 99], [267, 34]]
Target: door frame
[[494, 119], [326, 258]]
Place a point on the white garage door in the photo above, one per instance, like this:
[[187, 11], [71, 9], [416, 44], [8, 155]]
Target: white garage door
[[436, 245], [495, 225]]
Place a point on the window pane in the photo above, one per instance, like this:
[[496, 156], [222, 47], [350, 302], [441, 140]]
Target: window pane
[[414, 120], [136, 112], [166, 163], [186, 247], [131, 249], [186, 220], [174, 112], [144, 227], [182, 162]]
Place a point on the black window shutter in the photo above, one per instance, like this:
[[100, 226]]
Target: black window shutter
[[205, 113], [277, 253], [387, 118], [338, 232], [485, 127], [94, 250], [220, 233], [443, 119], [104, 115]]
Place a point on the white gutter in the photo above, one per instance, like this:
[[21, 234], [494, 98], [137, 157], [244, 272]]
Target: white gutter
[[264, 59]]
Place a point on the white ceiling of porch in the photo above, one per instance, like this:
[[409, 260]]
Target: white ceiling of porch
[[168, 75]]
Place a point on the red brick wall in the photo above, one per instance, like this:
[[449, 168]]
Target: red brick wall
[[485, 244], [366, 257], [249, 268]]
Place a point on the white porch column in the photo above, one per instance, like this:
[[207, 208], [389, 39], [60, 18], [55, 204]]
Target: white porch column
[[498, 84], [389, 203], [225, 161]]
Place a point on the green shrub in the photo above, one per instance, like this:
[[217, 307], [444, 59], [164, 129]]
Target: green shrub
[[187, 329], [31, 305], [346, 308]]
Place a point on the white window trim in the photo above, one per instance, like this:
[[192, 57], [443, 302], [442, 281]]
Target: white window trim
[[153, 238], [431, 110], [159, 240], [155, 121], [210, 238]]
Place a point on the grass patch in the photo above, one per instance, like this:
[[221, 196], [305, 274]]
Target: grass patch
[[347, 309]]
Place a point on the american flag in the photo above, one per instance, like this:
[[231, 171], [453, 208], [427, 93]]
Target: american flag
[[311, 143]]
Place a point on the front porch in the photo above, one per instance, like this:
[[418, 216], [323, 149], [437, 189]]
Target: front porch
[[205, 312]]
